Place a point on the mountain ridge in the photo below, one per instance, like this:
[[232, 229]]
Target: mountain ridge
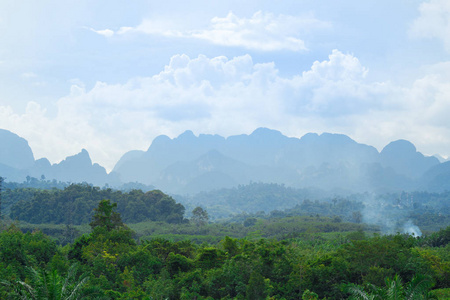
[[328, 161]]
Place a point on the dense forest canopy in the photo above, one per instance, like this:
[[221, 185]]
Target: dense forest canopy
[[109, 263], [75, 203], [140, 245]]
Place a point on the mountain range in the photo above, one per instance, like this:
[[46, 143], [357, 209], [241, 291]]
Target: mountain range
[[189, 164]]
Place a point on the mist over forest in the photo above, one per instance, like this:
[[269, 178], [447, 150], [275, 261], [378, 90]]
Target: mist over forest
[[232, 150], [261, 173]]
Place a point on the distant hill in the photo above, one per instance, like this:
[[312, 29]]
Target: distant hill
[[402, 156], [437, 178], [17, 163], [189, 164]]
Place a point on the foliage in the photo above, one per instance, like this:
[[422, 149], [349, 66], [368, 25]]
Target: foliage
[[418, 288], [106, 216], [48, 285], [295, 257], [199, 216], [75, 203], [438, 239]]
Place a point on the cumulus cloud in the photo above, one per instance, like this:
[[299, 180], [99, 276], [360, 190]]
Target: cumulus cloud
[[262, 31], [433, 21], [233, 96]]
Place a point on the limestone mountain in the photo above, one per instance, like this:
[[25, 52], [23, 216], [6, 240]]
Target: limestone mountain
[[17, 163], [404, 159], [190, 163], [15, 151], [79, 168], [327, 161]]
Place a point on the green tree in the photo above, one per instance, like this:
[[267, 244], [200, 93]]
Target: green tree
[[308, 295], [256, 288], [199, 216], [106, 216]]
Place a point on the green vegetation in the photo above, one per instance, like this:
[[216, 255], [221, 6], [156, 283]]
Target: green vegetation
[[391, 211], [110, 264], [417, 288], [75, 203], [291, 254]]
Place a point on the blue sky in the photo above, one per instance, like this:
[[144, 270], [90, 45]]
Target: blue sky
[[109, 76]]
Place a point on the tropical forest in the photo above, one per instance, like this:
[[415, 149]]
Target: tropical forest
[[85, 242], [224, 150]]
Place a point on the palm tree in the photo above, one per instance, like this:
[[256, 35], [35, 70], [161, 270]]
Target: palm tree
[[417, 289], [49, 285]]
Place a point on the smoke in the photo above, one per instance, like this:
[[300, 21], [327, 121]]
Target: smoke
[[411, 229], [390, 213]]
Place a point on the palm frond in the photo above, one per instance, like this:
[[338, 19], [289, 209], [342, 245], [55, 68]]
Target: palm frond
[[395, 289], [358, 293]]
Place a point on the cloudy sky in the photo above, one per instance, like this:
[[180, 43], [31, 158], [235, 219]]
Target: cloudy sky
[[109, 76]]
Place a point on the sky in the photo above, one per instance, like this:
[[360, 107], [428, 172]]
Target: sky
[[110, 76]]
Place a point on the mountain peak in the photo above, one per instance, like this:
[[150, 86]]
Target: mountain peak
[[311, 136], [15, 151], [399, 146], [402, 156], [263, 131], [160, 141], [187, 135], [82, 158]]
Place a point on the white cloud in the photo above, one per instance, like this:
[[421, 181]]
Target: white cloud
[[104, 32], [339, 67], [163, 27], [263, 31], [433, 21], [233, 96]]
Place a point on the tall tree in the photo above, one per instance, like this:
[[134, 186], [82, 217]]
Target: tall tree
[[106, 216], [200, 216]]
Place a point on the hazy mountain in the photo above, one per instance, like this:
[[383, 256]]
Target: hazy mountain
[[437, 178], [14, 151], [146, 166], [402, 156], [11, 173], [315, 152], [79, 168], [328, 161], [210, 171], [17, 162], [189, 163]]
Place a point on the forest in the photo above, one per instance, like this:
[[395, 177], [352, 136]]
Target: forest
[[84, 242], [75, 203]]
